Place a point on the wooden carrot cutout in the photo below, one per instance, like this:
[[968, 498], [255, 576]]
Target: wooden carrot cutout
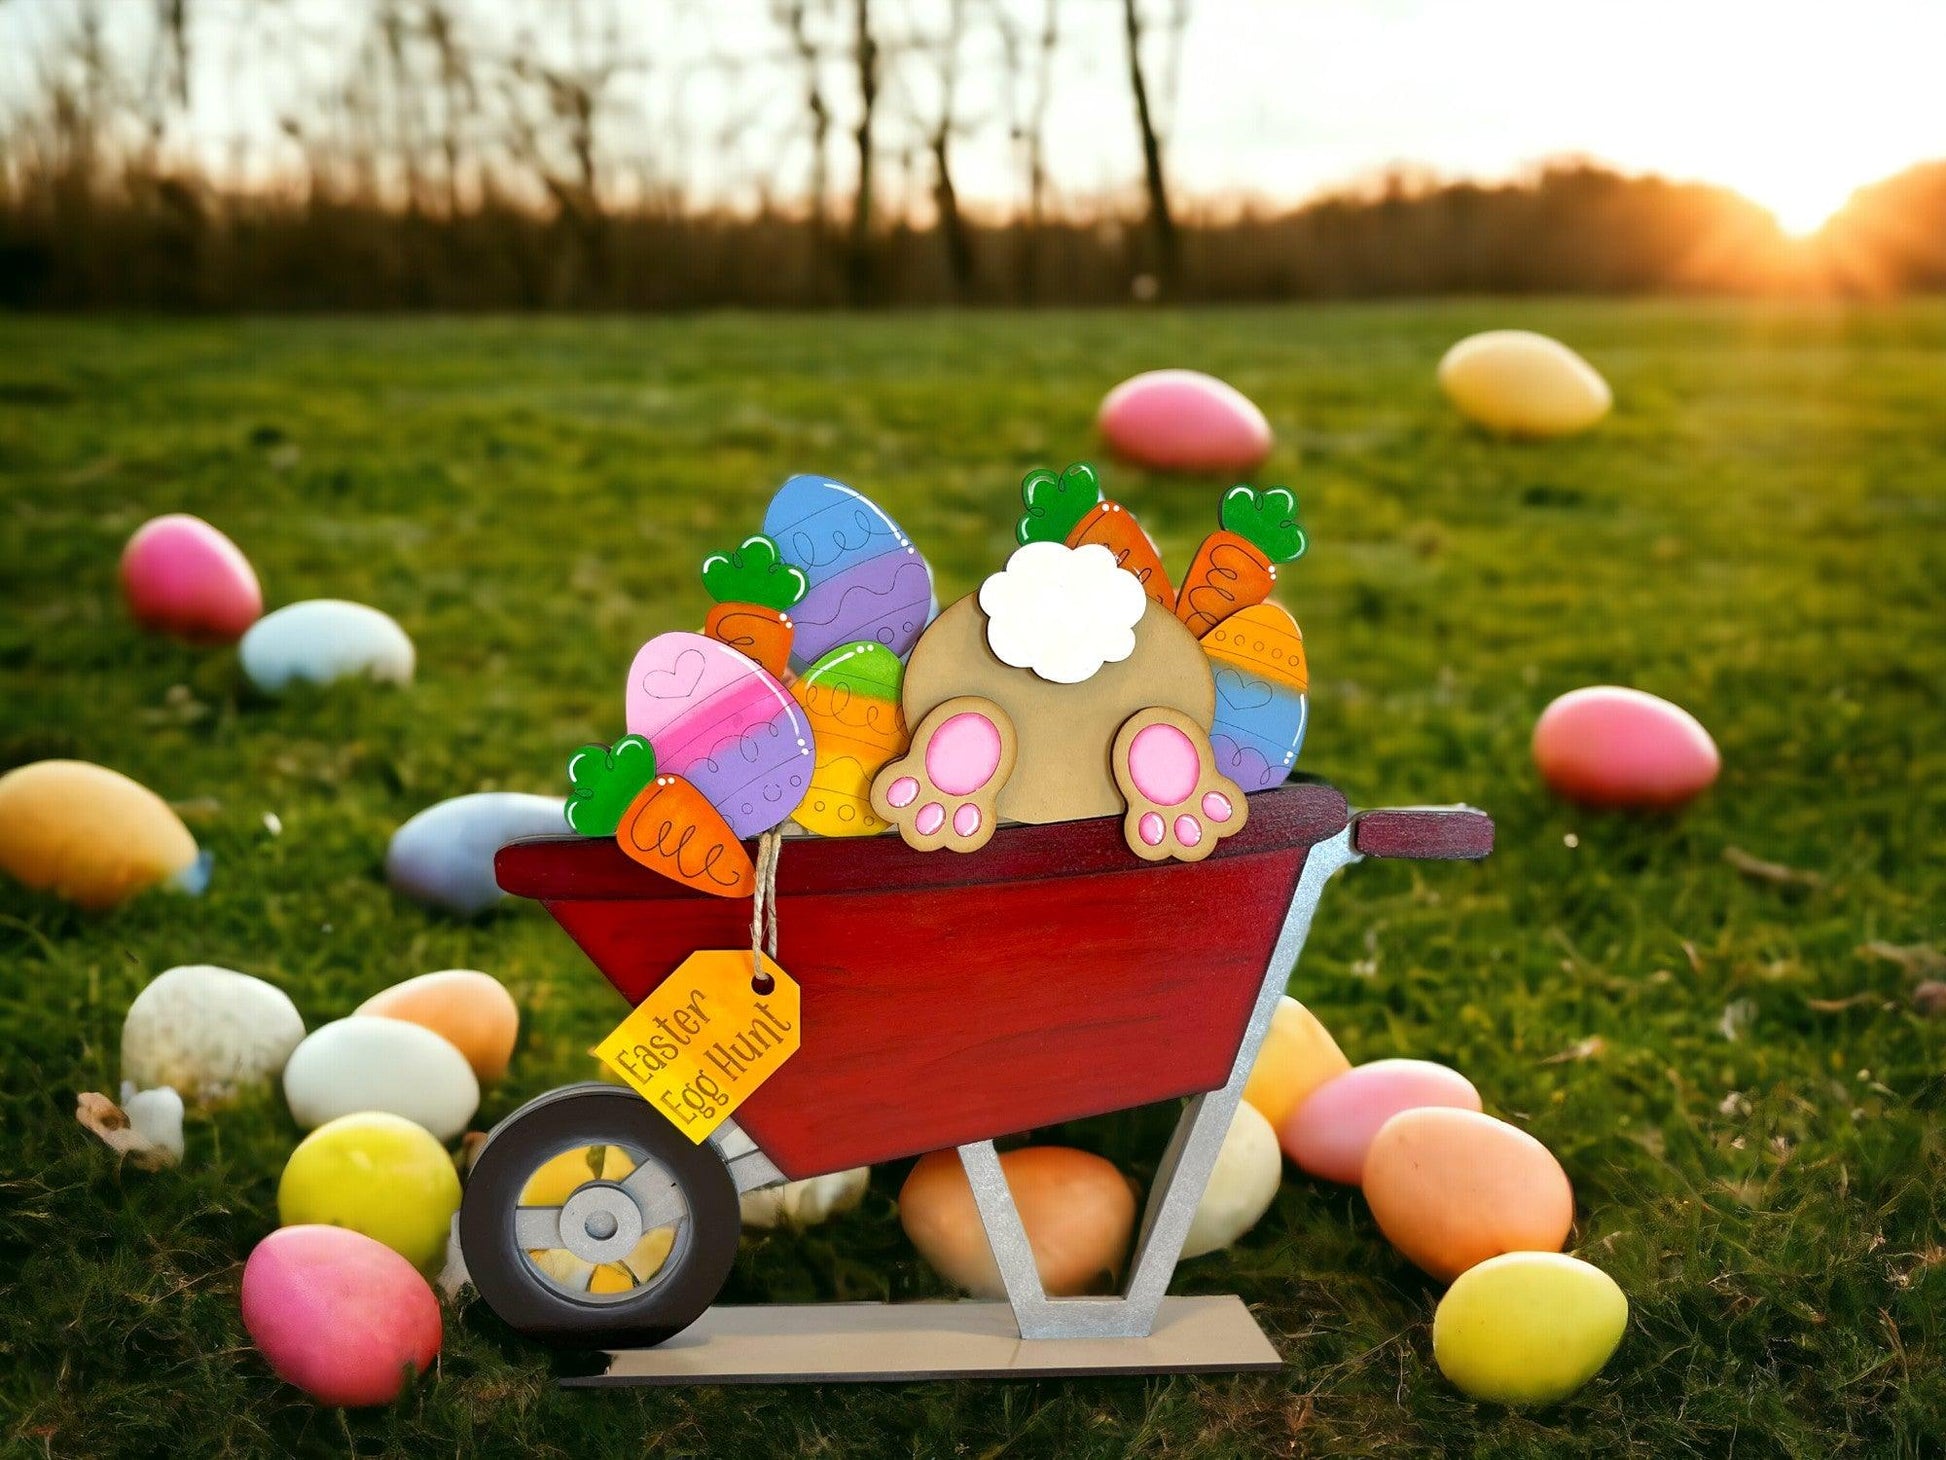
[[663, 822], [1070, 508], [753, 586], [1237, 566]]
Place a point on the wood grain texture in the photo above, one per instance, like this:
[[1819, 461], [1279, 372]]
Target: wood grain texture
[[953, 999], [1425, 833]]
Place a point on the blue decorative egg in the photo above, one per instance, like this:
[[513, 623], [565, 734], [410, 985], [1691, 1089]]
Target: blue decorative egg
[[867, 579], [1257, 658]]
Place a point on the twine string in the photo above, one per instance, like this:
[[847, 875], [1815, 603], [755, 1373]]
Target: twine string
[[763, 911]]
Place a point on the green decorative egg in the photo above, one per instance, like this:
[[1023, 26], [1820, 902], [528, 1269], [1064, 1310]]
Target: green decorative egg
[[1527, 1328]]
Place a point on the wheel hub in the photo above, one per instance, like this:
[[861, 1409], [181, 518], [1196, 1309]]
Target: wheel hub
[[600, 1223]]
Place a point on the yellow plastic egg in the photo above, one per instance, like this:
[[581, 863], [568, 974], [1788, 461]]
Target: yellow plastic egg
[[1523, 384], [1528, 1328], [91, 835], [375, 1173], [1298, 1055]]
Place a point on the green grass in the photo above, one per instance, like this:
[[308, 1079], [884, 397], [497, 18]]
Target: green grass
[[1759, 533]]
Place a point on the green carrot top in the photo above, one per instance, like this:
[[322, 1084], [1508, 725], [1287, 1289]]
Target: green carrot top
[[605, 780], [1055, 504], [1268, 519], [754, 572]]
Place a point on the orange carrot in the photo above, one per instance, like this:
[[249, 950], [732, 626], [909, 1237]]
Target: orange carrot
[[1236, 565], [671, 828], [755, 631], [1115, 528]]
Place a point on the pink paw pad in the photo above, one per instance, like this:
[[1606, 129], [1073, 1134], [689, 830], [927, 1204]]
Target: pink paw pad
[[1151, 829], [1189, 831], [1164, 764], [963, 754], [902, 791], [1217, 807], [966, 820], [931, 817]]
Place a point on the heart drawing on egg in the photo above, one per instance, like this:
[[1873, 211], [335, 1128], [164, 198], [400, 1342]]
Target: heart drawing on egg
[[1241, 692], [678, 680]]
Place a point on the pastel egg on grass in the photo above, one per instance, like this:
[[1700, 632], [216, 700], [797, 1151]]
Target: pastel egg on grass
[[557, 1179], [1523, 384], [1450, 1188], [1184, 420], [1614, 748], [851, 700], [208, 1033], [322, 640], [471, 1011], [1298, 1055], [1528, 1328], [443, 856], [92, 835], [366, 1063], [867, 580], [1242, 1184], [723, 724], [1078, 1210], [798, 1204], [1257, 659], [181, 576], [1329, 1132], [375, 1173], [344, 1318]]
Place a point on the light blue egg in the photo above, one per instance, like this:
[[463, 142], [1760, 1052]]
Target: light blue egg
[[868, 582]]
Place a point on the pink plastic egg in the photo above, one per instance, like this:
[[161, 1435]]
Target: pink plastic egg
[[1612, 747], [1183, 420], [1329, 1133], [183, 577], [344, 1318]]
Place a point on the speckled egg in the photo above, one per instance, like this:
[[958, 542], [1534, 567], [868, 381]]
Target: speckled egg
[[1523, 384], [867, 579], [1242, 1185], [1328, 1134], [363, 1063], [1606, 746], [443, 856], [471, 1011], [181, 576], [723, 724], [1528, 1328], [1184, 420], [344, 1318], [1077, 1208], [375, 1173], [208, 1033], [92, 835], [1451, 1188], [325, 639], [1298, 1055]]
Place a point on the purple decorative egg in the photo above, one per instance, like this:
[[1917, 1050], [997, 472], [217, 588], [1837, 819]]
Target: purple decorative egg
[[1183, 420], [723, 724], [868, 581]]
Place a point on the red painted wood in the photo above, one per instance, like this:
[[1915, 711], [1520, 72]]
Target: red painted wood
[[949, 998], [1427, 833]]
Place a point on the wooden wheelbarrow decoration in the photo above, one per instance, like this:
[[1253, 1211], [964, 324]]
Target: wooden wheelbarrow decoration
[[1042, 981]]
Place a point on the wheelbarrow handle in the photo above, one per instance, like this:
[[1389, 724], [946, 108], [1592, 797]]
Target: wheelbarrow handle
[[1424, 833]]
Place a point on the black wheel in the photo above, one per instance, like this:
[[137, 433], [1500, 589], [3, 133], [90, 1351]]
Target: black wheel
[[590, 1222]]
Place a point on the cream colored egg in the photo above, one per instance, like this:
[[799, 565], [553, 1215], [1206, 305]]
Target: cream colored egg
[[1298, 1055], [209, 1033], [1242, 1185], [471, 1011], [91, 835], [325, 639], [1077, 1208], [805, 1203], [1523, 384], [1528, 1328]]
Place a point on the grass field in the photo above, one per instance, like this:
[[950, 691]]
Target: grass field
[[1745, 1098]]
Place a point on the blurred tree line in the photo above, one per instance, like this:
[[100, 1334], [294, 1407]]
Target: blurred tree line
[[490, 154]]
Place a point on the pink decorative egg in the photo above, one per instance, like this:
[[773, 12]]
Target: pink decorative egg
[[183, 577], [1607, 746], [343, 1317], [1183, 420], [1329, 1133]]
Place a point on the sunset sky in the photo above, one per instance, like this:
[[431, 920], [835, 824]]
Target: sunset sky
[[1794, 102]]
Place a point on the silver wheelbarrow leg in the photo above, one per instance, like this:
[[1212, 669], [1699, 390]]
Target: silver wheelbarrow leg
[[1179, 1180]]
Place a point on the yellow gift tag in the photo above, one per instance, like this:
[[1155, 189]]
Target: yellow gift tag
[[706, 1038]]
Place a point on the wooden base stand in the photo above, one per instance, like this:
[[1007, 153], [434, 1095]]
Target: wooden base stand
[[849, 1343]]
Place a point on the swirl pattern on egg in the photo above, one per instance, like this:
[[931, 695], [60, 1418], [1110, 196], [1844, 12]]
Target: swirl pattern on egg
[[867, 579]]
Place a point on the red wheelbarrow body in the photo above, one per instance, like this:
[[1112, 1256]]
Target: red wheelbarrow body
[[950, 999]]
